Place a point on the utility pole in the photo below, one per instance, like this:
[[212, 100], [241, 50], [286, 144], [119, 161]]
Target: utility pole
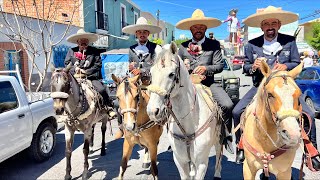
[[158, 14]]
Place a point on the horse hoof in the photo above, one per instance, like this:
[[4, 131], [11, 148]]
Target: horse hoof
[[103, 153], [145, 165], [217, 178], [67, 177], [84, 176]]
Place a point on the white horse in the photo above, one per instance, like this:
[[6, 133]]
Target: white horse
[[195, 127]]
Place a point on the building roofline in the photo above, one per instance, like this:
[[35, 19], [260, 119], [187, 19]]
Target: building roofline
[[135, 5]]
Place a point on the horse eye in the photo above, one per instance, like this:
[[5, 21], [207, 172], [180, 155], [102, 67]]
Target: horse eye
[[171, 75], [270, 95]]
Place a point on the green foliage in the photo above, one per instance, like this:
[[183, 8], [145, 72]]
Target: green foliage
[[313, 38], [157, 41], [179, 41]]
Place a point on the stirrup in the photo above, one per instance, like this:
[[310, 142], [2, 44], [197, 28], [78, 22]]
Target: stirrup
[[312, 162]]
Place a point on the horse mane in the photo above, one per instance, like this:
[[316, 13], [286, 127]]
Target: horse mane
[[75, 88], [164, 58]]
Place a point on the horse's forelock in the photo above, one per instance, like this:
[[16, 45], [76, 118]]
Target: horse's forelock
[[165, 58]]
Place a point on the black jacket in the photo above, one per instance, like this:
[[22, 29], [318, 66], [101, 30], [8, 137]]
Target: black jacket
[[289, 55], [211, 58], [92, 55]]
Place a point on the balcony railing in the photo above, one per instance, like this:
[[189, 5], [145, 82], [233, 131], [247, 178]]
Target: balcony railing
[[102, 21], [124, 24]]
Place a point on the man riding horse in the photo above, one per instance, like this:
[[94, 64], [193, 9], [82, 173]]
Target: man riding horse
[[86, 61], [281, 53], [203, 56], [142, 54]]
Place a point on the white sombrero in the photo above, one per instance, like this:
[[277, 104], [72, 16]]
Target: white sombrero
[[81, 34], [285, 17], [142, 24], [198, 18]]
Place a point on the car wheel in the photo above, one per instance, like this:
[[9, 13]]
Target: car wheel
[[310, 103], [43, 142]]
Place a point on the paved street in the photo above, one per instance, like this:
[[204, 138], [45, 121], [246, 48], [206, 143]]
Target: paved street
[[107, 167]]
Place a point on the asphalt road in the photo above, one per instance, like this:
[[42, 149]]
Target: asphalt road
[[107, 167]]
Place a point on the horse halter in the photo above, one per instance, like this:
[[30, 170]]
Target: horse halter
[[126, 90], [60, 94], [275, 118]]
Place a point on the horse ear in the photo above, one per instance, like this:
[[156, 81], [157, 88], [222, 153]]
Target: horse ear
[[69, 66], [115, 79], [52, 68], [296, 71], [135, 79], [173, 47], [265, 68]]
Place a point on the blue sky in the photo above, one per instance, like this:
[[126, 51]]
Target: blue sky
[[173, 11]]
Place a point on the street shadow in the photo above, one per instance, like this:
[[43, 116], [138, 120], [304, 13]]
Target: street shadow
[[10, 168], [110, 163]]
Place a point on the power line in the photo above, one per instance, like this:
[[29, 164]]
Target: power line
[[315, 13]]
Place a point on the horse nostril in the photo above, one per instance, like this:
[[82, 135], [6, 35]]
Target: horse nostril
[[156, 112], [285, 133]]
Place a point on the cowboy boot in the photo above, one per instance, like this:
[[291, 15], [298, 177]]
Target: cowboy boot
[[240, 152]]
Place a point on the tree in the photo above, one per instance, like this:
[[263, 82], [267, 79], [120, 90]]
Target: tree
[[157, 41], [32, 24], [313, 38], [179, 41]]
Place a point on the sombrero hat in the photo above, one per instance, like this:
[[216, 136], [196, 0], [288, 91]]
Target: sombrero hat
[[142, 24], [285, 17], [198, 18], [81, 34]]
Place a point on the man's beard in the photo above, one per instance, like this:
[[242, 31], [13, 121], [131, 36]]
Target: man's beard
[[271, 33], [198, 36]]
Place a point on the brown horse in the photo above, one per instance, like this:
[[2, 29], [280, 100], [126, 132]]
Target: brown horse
[[138, 129], [272, 132], [83, 113]]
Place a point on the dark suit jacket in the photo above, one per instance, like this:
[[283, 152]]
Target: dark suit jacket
[[211, 58], [289, 55], [93, 56]]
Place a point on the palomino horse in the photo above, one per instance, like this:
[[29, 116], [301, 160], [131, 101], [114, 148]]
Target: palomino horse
[[272, 133], [138, 129], [83, 113], [195, 126]]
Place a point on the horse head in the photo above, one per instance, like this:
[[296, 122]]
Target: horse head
[[128, 96], [167, 74], [280, 96], [60, 87]]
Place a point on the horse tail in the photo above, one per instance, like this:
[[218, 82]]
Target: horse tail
[[192, 168]]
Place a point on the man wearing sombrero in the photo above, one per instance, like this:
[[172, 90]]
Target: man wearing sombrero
[[141, 55], [204, 58], [86, 61], [281, 53]]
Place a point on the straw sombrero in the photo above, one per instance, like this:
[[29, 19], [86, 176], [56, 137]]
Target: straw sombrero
[[285, 17], [81, 34], [142, 24], [198, 18]]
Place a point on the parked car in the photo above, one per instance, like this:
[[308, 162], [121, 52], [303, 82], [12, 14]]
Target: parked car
[[309, 83], [27, 121], [237, 61], [229, 81]]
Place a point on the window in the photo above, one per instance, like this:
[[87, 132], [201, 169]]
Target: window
[[136, 16], [123, 16], [99, 14], [8, 98], [309, 74], [166, 32]]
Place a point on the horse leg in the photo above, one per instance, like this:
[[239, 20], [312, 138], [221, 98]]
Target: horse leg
[[285, 175], [218, 167], [87, 137], [127, 151], [103, 131], [183, 167], [153, 156], [92, 139], [69, 136], [248, 172], [146, 158]]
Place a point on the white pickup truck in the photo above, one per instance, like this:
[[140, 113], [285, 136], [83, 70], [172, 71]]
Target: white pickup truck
[[27, 120]]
